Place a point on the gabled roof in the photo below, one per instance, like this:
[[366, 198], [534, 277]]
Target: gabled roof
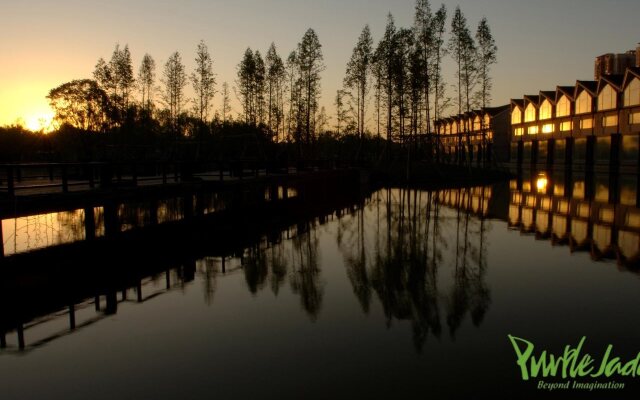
[[517, 103], [533, 99], [568, 91], [630, 73], [590, 86], [493, 111], [613, 80], [548, 95]]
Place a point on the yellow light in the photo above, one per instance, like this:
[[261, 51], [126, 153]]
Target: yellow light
[[40, 122], [541, 183]]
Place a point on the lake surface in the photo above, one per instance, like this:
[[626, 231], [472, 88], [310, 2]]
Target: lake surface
[[402, 294]]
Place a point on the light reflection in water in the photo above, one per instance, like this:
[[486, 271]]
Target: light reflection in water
[[44, 230], [598, 215], [351, 287]]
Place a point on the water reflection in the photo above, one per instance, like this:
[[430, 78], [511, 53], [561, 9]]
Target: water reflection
[[422, 254], [588, 212], [33, 232], [60, 291]]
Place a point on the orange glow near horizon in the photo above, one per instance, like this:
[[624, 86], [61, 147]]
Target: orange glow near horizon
[[27, 106], [40, 122]]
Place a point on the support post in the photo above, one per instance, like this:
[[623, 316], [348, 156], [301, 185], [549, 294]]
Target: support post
[[89, 224], [20, 332], [65, 180], [10, 182], [72, 317]]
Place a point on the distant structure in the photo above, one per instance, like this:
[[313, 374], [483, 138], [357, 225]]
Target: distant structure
[[477, 137], [615, 64], [584, 127]]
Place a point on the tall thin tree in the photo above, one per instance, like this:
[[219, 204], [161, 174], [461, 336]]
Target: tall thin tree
[[385, 55], [275, 81], [487, 56], [358, 73], [310, 64], [203, 81], [245, 84], [174, 80], [146, 80], [226, 102]]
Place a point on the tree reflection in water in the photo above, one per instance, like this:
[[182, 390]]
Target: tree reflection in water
[[274, 260], [405, 247]]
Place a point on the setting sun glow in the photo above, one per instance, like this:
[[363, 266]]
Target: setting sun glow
[[39, 122]]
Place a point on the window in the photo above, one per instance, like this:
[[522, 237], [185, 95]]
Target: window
[[563, 108], [532, 130], [634, 118], [586, 123], [454, 127], [566, 126], [607, 98], [516, 116], [583, 103], [518, 131], [487, 121], [476, 124], [547, 128], [632, 93], [530, 113], [545, 109], [610, 120]]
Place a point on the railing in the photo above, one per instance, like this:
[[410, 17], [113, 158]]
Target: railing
[[68, 177]]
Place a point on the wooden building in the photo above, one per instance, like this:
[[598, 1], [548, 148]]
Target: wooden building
[[591, 126], [476, 137]]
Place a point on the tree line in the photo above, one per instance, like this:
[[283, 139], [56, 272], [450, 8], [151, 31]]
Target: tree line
[[405, 72], [402, 74]]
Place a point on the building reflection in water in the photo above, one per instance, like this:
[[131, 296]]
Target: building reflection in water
[[422, 254], [585, 211]]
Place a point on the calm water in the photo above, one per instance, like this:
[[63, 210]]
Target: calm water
[[405, 294]]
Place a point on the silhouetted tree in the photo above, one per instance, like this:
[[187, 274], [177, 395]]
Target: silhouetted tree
[[276, 76], [174, 80], [203, 81], [357, 75], [294, 95], [246, 85], [226, 102], [341, 112], [385, 55], [81, 104], [400, 76], [422, 61], [123, 71], [462, 49], [439, 21], [259, 87], [116, 77], [146, 81], [310, 64], [487, 56]]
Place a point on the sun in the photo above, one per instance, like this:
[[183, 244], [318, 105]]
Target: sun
[[39, 122]]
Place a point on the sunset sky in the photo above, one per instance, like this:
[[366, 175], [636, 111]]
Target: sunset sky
[[541, 43]]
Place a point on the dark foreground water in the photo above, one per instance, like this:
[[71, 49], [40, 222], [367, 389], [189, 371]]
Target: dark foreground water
[[408, 294]]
